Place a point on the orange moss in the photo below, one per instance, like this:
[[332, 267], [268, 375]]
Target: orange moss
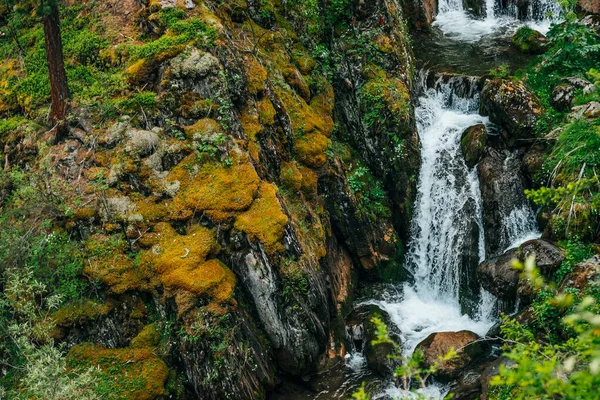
[[290, 176], [109, 264], [149, 337], [132, 373], [266, 112], [264, 220], [203, 127], [310, 149], [384, 44], [296, 81], [257, 76], [252, 128], [152, 209], [304, 118], [213, 187], [180, 261], [175, 251], [309, 181], [394, 94]]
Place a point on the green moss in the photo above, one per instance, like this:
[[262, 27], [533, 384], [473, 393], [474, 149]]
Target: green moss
[[122, 374], [80, 311]]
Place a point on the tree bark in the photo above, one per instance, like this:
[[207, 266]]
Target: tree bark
[[59, 89]]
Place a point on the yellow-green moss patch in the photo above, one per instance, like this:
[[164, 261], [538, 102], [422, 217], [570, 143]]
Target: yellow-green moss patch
[[123, 374], [264, 220], [310, 149], [213, 187]]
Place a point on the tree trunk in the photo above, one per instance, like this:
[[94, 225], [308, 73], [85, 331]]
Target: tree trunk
[[59, 90]]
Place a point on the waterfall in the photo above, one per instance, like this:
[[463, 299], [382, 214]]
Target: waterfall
[[455, 22]]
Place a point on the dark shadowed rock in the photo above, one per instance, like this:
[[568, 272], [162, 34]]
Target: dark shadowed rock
[[499, 277], [465, 343], [472, 143], [361, 325], [562, 97], [502, 184], [492, 370], [511, 105]]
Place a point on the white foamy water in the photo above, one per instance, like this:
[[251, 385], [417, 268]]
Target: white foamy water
[[521, 226], [455, 22]]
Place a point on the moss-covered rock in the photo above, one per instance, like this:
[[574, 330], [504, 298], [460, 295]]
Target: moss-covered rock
[[530, 41], [472, 143]]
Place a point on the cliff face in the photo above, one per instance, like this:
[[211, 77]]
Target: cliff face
[[269, 159]]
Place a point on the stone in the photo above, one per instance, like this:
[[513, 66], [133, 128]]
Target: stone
[[589, 6], [562, 97], [472, 143], [502, 184], [529, 41], [590, 110], [465, 343], [499, 277], [492, 370], [376, 355], [511, 105], [142, 142], [582, 274]]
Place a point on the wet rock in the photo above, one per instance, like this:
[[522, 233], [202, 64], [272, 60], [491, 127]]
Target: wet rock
[[505, 208], [465, 343], [476, 8], [467, 386], [533, 159], [529, 40], [562, 95], [490, 371], [472, 143], [591, 21], [360, 325], [511, 105], [499, 277]]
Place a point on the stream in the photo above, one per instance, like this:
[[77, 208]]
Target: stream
[[447, 232]]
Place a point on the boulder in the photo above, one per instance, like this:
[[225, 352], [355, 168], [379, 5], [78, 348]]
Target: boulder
[[512, 106], [472, 143], [562, 97], [502, 184], [590, 110], [476, 8], [465, 343], [529, 41], [499, 277], [563, 94], [583, 273], [377, 355], [492, 370]]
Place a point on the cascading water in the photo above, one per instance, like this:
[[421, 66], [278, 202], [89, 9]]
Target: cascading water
[[447, 233], [460, 24]]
